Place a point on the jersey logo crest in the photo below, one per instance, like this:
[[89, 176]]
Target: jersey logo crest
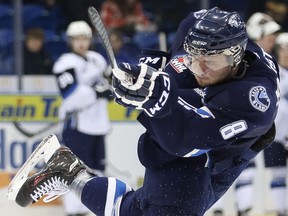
[[235, 21], [259, 98], [178, 64]]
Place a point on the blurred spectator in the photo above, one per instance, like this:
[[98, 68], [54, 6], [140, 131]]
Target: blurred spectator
[[125, 15], [278, 9], [124, 51], [36, 59], [263, 30]]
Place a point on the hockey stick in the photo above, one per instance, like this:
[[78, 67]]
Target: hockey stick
[[47, 128], [98, 25], [29, 134]]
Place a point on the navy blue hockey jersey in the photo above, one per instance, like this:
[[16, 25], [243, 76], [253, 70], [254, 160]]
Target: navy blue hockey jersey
[[222, 120]]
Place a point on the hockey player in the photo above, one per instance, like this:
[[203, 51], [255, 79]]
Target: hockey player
[[263, 29], [207, 114], [276, 155], [85, 92]]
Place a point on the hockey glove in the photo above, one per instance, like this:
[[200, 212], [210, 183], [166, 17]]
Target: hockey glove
[[150, 90], [104, 90], [154, 58]]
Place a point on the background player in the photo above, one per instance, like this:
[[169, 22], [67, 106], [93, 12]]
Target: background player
[[85, 92], [276, 155]]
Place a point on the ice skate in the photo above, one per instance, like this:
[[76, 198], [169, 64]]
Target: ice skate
[[52, 180]]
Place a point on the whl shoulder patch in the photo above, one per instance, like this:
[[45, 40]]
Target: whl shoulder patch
[[259, 99], [178, 64]]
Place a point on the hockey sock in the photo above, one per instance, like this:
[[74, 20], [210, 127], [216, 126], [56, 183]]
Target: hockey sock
[[245, 190], [218, 207], [72, 205], [99, 194], [278, 189], [244, 197], [279, 194]]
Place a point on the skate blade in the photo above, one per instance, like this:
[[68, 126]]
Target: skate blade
[[44, 150]]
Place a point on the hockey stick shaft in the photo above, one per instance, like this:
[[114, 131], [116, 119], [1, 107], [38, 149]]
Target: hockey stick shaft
[[50, 126], [98, 25], [26, 133]]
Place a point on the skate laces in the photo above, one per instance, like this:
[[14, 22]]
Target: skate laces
[[53, 188]]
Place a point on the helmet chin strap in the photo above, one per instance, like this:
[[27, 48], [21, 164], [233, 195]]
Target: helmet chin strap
[[241, 70]]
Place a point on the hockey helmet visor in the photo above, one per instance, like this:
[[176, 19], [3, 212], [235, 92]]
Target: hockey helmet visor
[[198, 64]]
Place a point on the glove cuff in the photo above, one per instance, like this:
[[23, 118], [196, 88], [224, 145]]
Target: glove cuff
[[154, 58], [167, 99]]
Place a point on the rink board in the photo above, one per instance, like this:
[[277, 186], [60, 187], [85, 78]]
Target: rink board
[[16, 148]]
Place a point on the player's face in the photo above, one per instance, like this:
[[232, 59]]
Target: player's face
[[34, 44], [282, 54], [209, 70], [80, 44]]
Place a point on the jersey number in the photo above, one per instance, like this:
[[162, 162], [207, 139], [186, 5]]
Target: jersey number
[[65, 79], [232, 129]]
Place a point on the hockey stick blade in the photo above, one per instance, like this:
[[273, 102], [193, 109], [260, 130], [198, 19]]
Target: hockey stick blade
[[47, 129], [98, 25], [29, 134]]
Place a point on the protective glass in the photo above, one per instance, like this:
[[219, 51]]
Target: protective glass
[[201, 64]]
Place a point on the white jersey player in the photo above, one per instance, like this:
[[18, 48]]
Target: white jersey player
[[276, 155], [85, 92], [282, 116]]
